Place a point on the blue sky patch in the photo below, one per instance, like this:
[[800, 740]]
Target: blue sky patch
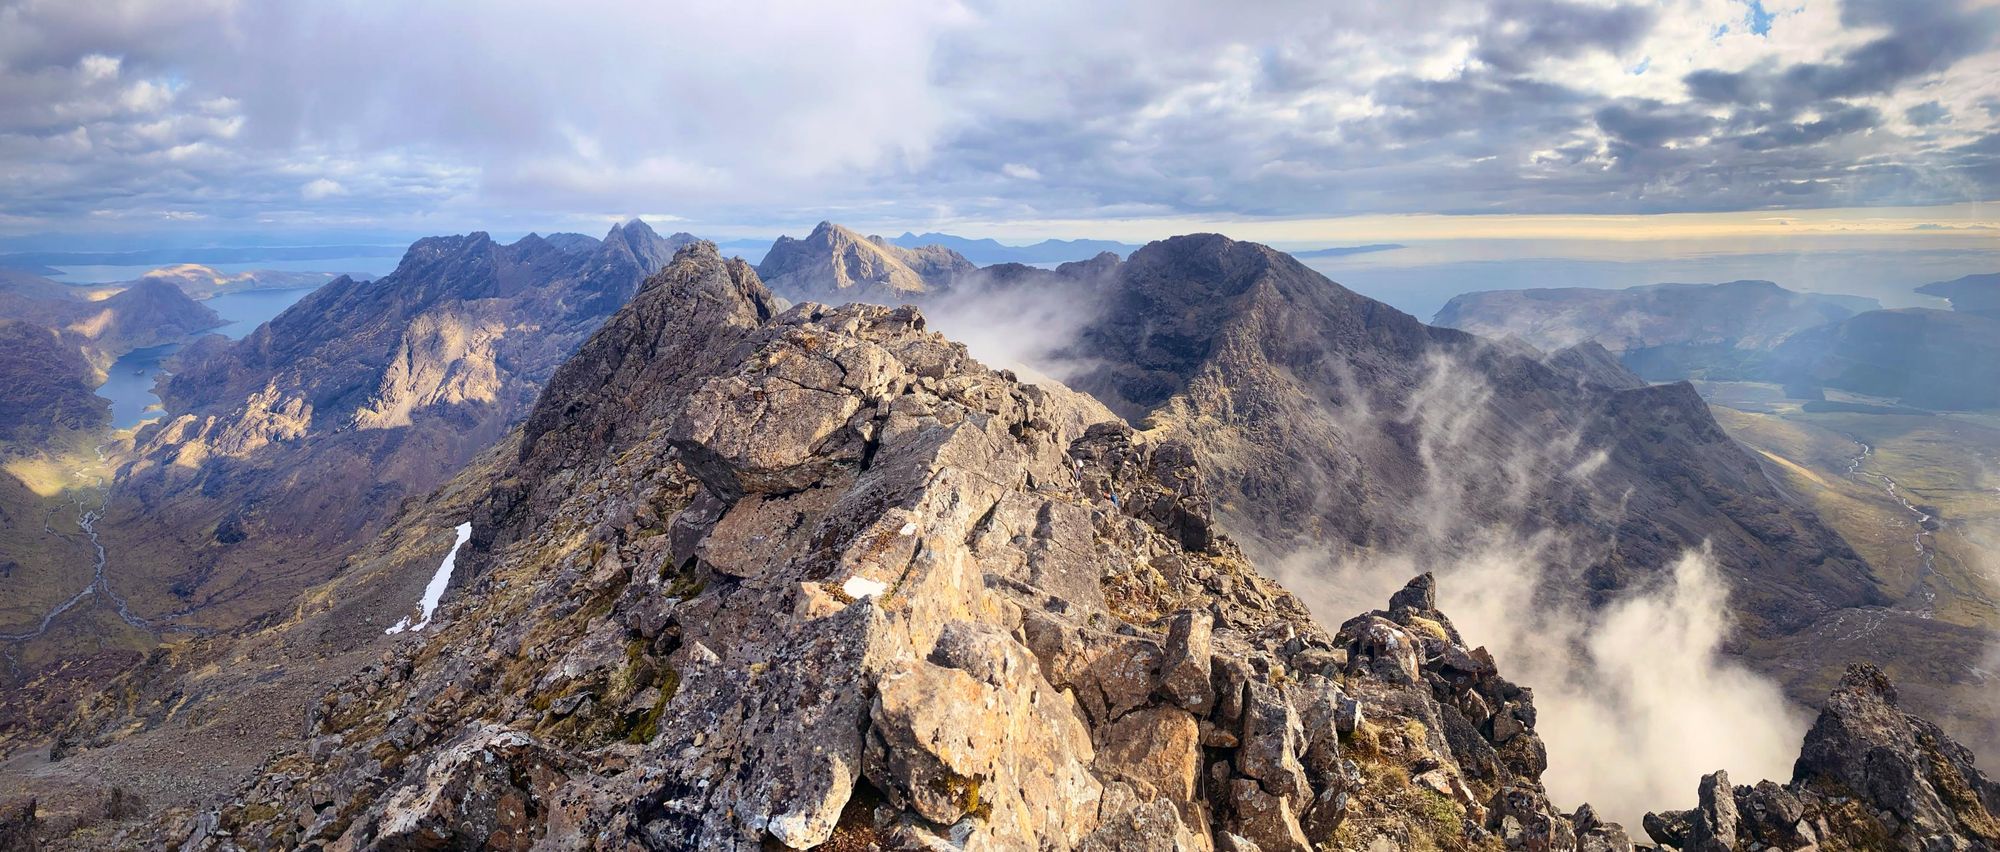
[[1760, 20]]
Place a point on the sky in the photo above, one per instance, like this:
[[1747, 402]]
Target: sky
[[1294, 122]]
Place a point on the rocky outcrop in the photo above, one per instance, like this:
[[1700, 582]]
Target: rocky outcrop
[[814, 577], [838, 265], [1870, 776]]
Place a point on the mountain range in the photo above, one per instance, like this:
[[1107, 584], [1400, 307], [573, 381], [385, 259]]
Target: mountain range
[[1758, 331], [203, 282], [988, 251], [726, 567]]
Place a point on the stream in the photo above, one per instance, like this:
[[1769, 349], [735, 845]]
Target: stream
[[1925, 539], [86, 520]]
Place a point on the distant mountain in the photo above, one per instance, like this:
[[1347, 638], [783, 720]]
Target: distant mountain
[[1663, 332], [1328, 418], [104, 322], [203, 282], [989, 251], [835, 265], [1922, 357], [1344, 251], [1758, 331], [282, 452], [1969, 294]]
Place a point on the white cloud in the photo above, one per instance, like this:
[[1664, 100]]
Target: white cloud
[[97, 67], [321, 188]]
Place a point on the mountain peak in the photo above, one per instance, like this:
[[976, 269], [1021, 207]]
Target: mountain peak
[[836, 264]]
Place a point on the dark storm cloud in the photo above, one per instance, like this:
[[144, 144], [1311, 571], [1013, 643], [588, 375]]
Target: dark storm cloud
[[1648, 123], [1522, 32]]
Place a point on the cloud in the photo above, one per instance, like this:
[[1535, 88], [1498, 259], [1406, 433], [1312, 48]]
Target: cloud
[[320, 188], [914, 111]]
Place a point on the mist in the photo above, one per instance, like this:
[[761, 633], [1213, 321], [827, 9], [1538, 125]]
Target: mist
[[1021, 323], [1636, 698]]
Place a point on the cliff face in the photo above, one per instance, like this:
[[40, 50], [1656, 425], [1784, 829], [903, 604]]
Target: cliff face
[[836, 264], [283, 452], [817, 578]]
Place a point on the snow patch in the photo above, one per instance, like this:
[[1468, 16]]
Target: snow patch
[[435, 591], [858, 587]]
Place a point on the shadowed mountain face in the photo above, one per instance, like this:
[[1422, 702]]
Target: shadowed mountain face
[[1662, 331], [56, 341], [282, 452], [48, 383], [1327, 417], [835, 265]]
